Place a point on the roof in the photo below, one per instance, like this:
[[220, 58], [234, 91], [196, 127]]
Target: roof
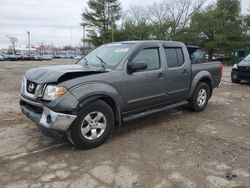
[[166, 43]]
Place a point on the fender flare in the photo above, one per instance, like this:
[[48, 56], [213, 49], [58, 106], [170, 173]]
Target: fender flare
[[99, 91], [199, 77]]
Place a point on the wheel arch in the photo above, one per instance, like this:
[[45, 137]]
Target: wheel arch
[[107, 99], [203, 76], [209, 83]]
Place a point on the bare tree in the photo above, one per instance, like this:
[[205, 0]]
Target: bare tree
[[41, 47], [13, 41], [167, 16], [138, 14], [160, 19], [181, 11]]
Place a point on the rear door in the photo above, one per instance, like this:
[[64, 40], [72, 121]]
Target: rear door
[[178, 73]]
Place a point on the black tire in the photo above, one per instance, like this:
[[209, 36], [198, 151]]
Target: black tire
[[83, 140], [235, 78], [200, 106]]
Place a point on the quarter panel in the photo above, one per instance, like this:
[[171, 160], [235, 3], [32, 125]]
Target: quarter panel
[[196, 79]]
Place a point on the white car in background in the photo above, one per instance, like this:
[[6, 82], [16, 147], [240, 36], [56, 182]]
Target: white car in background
[[78, 57], [1, 58]]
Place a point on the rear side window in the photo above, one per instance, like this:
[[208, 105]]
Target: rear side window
[[175, 57]]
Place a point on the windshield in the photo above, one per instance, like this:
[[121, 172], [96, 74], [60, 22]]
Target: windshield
[[107, 56], [247, 58]]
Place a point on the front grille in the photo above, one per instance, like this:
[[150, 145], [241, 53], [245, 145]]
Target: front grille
[[31, 87], [244, 69]]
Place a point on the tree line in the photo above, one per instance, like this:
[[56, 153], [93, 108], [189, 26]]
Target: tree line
[[216, 27]]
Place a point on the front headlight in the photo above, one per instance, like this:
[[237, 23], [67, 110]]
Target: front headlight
[[53, 92], [235, 66]]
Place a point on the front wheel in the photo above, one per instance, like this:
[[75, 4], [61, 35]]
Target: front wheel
[[200, 97], [235, 77], [93, 125]]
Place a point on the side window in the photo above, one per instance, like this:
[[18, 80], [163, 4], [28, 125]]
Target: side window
[[174, 56], [150, 56], [180, 56]]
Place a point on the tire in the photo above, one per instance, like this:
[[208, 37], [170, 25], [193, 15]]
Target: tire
[[200, 97], [92, 127], [235, 78]]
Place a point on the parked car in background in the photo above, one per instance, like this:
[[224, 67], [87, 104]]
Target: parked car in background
[[47, 57], [78, 57], [36, 57], [1, 58], [115, 83], [10, 57], [241, 71], [197, 55]]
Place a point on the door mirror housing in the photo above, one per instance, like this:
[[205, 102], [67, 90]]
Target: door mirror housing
[[136, 66]]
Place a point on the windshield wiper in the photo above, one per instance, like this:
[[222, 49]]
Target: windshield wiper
[[102, 62], [86, 62]]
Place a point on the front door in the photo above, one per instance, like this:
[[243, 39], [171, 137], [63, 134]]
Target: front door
[[145, 87]]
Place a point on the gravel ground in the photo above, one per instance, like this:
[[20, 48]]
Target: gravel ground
[[177, 148]]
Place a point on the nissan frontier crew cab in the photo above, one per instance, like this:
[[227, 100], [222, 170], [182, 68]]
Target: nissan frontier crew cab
[[114, 83]]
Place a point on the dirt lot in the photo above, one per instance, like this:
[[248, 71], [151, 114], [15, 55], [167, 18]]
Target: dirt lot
[[178, 148]]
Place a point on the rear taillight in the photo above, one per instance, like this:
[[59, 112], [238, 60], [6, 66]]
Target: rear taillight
[[221, 70]]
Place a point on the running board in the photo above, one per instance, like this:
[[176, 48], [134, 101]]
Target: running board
[[153, 111]]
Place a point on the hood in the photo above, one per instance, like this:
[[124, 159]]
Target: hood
[[60, 73], [244, 63]]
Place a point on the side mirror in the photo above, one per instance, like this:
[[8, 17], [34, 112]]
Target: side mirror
[[136, 66]]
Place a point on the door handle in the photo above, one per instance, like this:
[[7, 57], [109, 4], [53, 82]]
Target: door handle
[[160, 76], [185, 72]]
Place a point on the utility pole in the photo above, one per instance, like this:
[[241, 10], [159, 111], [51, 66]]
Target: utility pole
[[28, 41], [84, 37], [112, 30], [71, 36]]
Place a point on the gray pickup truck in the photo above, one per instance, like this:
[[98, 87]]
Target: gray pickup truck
[[115, 83]]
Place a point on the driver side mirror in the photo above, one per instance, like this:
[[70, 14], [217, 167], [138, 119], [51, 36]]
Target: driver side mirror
[[136, 66]]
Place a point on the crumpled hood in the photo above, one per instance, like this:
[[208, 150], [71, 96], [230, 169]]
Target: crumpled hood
[[59, 73], [244, 63]]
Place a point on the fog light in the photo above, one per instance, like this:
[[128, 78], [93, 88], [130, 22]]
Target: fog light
[[48, 119]]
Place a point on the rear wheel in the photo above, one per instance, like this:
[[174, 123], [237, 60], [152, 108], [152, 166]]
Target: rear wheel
[[93, 125], [200, 97], [235, 77]]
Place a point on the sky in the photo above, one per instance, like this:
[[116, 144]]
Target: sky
[[50, 21]]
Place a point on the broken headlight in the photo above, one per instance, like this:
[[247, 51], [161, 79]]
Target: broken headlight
[[53, 92]]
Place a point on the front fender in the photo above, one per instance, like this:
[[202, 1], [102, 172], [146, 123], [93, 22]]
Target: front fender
[[90, 91], [198, 77]]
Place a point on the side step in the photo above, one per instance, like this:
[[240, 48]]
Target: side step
[[153, 111]]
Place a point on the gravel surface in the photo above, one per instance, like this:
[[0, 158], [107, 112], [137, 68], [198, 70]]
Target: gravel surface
[[177, 148]]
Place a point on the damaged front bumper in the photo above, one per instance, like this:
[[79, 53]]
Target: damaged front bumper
[[45, 117]]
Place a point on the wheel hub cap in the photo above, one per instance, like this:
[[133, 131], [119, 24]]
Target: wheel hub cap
[[202, 97], [93, 125]]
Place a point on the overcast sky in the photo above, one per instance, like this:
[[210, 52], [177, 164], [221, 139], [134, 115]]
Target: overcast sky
[[50, 21]]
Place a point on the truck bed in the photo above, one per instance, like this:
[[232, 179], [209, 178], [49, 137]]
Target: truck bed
[[212, 67]]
